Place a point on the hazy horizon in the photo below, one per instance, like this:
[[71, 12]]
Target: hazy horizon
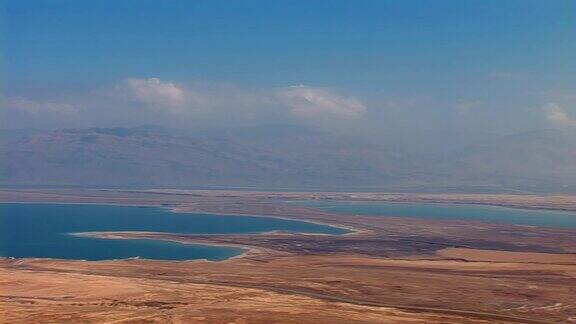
[[394, 94]]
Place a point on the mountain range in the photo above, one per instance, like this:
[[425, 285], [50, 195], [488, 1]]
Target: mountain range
[[281, 156]]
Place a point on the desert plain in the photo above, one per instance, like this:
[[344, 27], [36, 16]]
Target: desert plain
[[386, 270]]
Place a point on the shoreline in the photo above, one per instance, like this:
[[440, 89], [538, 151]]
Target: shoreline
[[295, 202], [543, 202], [404, 262], [441, 202], [434, 202], [246, 250], [353, 231], [176, 210]]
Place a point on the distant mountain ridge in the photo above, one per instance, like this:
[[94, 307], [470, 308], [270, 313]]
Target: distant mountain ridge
[[283, 156]]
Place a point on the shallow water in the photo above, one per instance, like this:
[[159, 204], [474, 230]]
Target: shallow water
[[493, 214], [43, 231]]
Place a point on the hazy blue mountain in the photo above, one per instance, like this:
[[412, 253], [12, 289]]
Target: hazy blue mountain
[[285, 156]]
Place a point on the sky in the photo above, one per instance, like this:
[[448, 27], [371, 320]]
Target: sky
[[499, 66]]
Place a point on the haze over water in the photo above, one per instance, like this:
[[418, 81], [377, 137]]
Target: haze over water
[[43, 231]]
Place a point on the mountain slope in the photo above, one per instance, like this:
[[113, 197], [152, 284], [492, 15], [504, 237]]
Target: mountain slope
[[154, 156]]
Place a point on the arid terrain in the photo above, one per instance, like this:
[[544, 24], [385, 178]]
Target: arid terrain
[[387, 270]]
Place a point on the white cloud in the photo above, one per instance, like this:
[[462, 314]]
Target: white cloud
[[216, 100], [32, 107], [558, 115], [136, 101], [153, 92], [315, 102]]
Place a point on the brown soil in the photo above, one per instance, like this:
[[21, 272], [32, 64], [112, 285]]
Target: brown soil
[[389, 270]]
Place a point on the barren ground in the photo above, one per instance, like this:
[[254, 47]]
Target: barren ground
[[389, 270]]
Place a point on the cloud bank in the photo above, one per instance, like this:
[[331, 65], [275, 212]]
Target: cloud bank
[[135, 101], [152, 92], [34, 108], [202, 100], [312, 102]]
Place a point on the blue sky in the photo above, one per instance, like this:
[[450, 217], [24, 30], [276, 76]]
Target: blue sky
[[484, 65]]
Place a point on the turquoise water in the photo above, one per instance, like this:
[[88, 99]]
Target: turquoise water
[[491, 214], [43, 231]]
